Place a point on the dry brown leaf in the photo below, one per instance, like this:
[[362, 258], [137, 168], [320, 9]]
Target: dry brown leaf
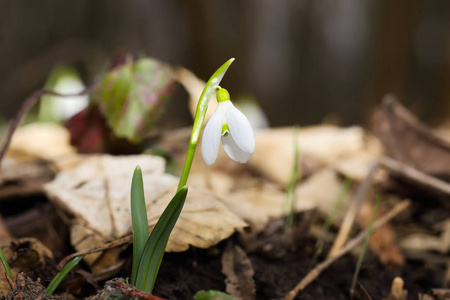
[[325, 144], [204, 221], [408, 140], [23, 255], [96, 192], [239, 272], [45, 141], [383, 241], [358, 166], [257, 201]]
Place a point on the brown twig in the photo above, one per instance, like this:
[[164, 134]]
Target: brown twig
[[314, 273], [133, 293], [116, 243], [349, 219], [414, 174], [30, 102], [10, 282]]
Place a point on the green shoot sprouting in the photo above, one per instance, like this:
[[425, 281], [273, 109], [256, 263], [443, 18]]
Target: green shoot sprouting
[[291, 188], [139, 221], [61, 275], [153, 252], [213, 295], [364, 246], [5, 263], [156, 244], [330, 218]]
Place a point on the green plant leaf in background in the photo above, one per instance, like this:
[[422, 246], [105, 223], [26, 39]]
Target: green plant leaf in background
[[156, 243], [213, 295], [132, 96]]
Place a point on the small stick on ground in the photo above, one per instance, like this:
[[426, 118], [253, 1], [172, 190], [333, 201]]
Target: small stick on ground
[[349, 219], [415, 175], [116, 243], [10, 282], [314, 273]]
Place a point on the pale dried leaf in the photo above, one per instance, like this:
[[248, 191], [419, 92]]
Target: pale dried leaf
[[46, 141], [204, 221], [358, 166], [258, 201], [96, 192], [326, 144]]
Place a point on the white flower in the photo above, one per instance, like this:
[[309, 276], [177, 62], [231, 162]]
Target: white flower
[[230, 126]]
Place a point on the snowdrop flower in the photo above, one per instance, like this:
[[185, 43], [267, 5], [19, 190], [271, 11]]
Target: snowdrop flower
[[230, 126]]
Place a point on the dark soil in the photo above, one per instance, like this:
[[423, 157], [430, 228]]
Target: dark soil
[[183, 274], [278, 265]]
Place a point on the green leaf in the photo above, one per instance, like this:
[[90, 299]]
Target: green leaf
[[156, 243], [61, 275], [213, 295], [5, 263], [139, 220], [133, 95]]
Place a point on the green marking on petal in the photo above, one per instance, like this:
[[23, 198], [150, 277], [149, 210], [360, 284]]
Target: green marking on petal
[[222, 95], [225, 129]]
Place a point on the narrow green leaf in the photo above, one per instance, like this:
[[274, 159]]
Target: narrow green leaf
[[213, 295], [364, 246], [156, 243], [5, 263], [61, 275], [132, 96], [138, 220]]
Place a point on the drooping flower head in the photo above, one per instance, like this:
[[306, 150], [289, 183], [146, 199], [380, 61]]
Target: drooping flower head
[[229, 126]]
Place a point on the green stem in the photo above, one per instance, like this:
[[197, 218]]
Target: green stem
[[202, 106]]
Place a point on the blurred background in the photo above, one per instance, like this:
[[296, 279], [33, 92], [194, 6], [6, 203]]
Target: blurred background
[[304, 61]]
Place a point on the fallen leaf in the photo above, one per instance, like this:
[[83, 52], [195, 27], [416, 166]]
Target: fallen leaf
[[408, 140], [204, 221], [24, 255], [326, 144], [239, 271], [358, 166], [96, 192], [256, 201], [45, 141]]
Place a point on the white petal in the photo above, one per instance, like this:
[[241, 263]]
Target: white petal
[[233, 150], [211, 137], [240, 129]]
